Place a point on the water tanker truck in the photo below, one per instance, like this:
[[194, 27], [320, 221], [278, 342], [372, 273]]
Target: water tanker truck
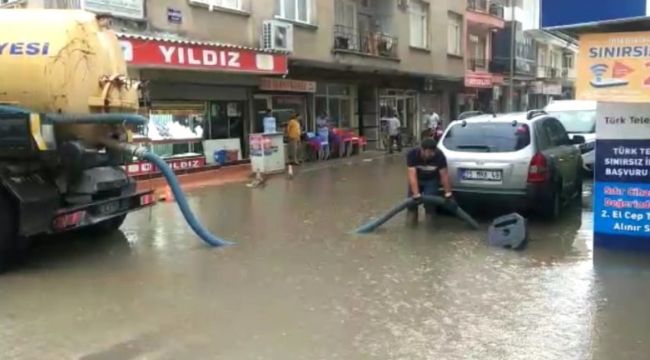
[[65, 99]]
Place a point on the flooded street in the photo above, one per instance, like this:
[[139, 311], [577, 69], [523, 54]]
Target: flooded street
[[298, 285]]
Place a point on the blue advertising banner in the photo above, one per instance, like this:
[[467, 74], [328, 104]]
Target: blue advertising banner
[[622, 175], [572, 12]]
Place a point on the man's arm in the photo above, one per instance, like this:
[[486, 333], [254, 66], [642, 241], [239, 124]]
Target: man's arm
[[413, 182], [444, 181]]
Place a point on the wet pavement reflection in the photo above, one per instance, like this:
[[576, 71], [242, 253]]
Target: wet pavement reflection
[[298, 285]]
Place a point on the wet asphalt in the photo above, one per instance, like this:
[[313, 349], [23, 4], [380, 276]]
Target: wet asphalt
[[299, 285]]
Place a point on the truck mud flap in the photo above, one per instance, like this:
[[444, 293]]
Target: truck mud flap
[[37, 202]]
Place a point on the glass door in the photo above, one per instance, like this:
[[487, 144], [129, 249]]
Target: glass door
[[261, 103]]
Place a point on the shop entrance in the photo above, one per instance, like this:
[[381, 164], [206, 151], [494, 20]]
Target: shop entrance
[[283, 106], [226, 120], [405, 104]]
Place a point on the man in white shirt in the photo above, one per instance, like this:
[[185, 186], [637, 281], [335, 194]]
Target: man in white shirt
[[394, 133], [431, 123]]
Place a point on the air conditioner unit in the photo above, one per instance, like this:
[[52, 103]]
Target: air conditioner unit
[[277, 35]]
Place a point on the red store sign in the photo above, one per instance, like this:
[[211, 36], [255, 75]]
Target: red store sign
[[288, 85], [482, 81], [147, 168], [160, 53]]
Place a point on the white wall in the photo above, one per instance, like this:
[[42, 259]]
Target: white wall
[[528, 16]]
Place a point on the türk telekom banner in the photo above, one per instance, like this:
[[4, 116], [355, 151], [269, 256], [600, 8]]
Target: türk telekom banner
[[164, 54], [622, 187]]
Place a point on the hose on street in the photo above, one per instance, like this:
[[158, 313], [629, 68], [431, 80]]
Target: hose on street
[[434, 200], [181, 200], [144, 154]]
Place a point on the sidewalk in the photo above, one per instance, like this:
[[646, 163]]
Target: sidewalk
[[242, 173]]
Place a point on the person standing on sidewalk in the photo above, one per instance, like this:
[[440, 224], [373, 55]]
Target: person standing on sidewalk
[[394, 132], [427, 171], [294, 133]]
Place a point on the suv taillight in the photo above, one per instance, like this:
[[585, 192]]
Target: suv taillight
[[538, 170]]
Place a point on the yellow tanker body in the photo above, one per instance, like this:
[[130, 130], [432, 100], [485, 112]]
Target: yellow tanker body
[[65, 99], [62, 61]]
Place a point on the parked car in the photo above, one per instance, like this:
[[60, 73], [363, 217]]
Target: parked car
[[524, 160], [579, 118]]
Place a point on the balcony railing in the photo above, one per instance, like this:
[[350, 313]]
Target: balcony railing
[[475, 64], [371, 43], [548, 72], [62, 4], [492, 7], [568, 73]]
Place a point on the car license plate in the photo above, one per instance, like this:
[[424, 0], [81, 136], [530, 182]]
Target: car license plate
[[109, 207], [482, 175]]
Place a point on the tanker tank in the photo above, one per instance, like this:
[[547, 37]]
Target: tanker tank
[[77, 63]]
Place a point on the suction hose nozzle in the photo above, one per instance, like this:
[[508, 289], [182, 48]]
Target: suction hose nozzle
[[142, 153]]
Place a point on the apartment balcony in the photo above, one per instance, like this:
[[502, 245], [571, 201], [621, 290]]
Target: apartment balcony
[[486, 14], [569, 74], [548, 72], [477, 64], [376, 44]]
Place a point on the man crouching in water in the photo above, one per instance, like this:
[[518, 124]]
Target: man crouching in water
[[427, 170]]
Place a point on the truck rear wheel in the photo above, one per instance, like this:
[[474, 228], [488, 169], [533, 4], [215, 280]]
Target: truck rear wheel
[[106, 227], [8, 237]]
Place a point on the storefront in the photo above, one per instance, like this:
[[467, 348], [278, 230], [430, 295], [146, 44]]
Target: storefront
[[541, 93], [482, 91], [285, 97], [403, 104], [201, 100], [337, 103]]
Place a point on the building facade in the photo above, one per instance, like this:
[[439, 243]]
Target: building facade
[[543, 66], [482, 85], [220, 64]]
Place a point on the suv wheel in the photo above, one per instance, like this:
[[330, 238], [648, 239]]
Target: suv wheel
[[578, 191], [552, 206]]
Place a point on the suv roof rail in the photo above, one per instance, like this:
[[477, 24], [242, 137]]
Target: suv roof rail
[[534, 113], [469, 114]]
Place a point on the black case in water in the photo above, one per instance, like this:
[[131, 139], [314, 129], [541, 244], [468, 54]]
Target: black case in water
[[509, 231]]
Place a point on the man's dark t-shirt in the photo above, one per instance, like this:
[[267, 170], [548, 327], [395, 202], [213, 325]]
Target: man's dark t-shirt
[[428, 169]]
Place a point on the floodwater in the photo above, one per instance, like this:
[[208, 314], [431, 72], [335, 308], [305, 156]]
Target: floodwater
[[298, 285]]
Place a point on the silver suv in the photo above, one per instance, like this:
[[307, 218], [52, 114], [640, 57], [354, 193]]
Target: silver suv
[[524, 160]]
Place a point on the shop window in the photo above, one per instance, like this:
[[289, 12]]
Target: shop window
[[284, 106], [294, 10], [336, 100], [175, 128]]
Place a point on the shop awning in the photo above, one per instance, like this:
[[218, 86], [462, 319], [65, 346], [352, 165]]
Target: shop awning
[[173, 52]]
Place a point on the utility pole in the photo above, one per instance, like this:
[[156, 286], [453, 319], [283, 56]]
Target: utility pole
[[513, 53]]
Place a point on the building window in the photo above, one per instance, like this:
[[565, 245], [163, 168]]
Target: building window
[[419, 14], [226, 4], [335, 101], [454, 34], [294, 10], [477, 48]]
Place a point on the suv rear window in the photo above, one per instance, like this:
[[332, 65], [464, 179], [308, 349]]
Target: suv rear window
[[487, 137]]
